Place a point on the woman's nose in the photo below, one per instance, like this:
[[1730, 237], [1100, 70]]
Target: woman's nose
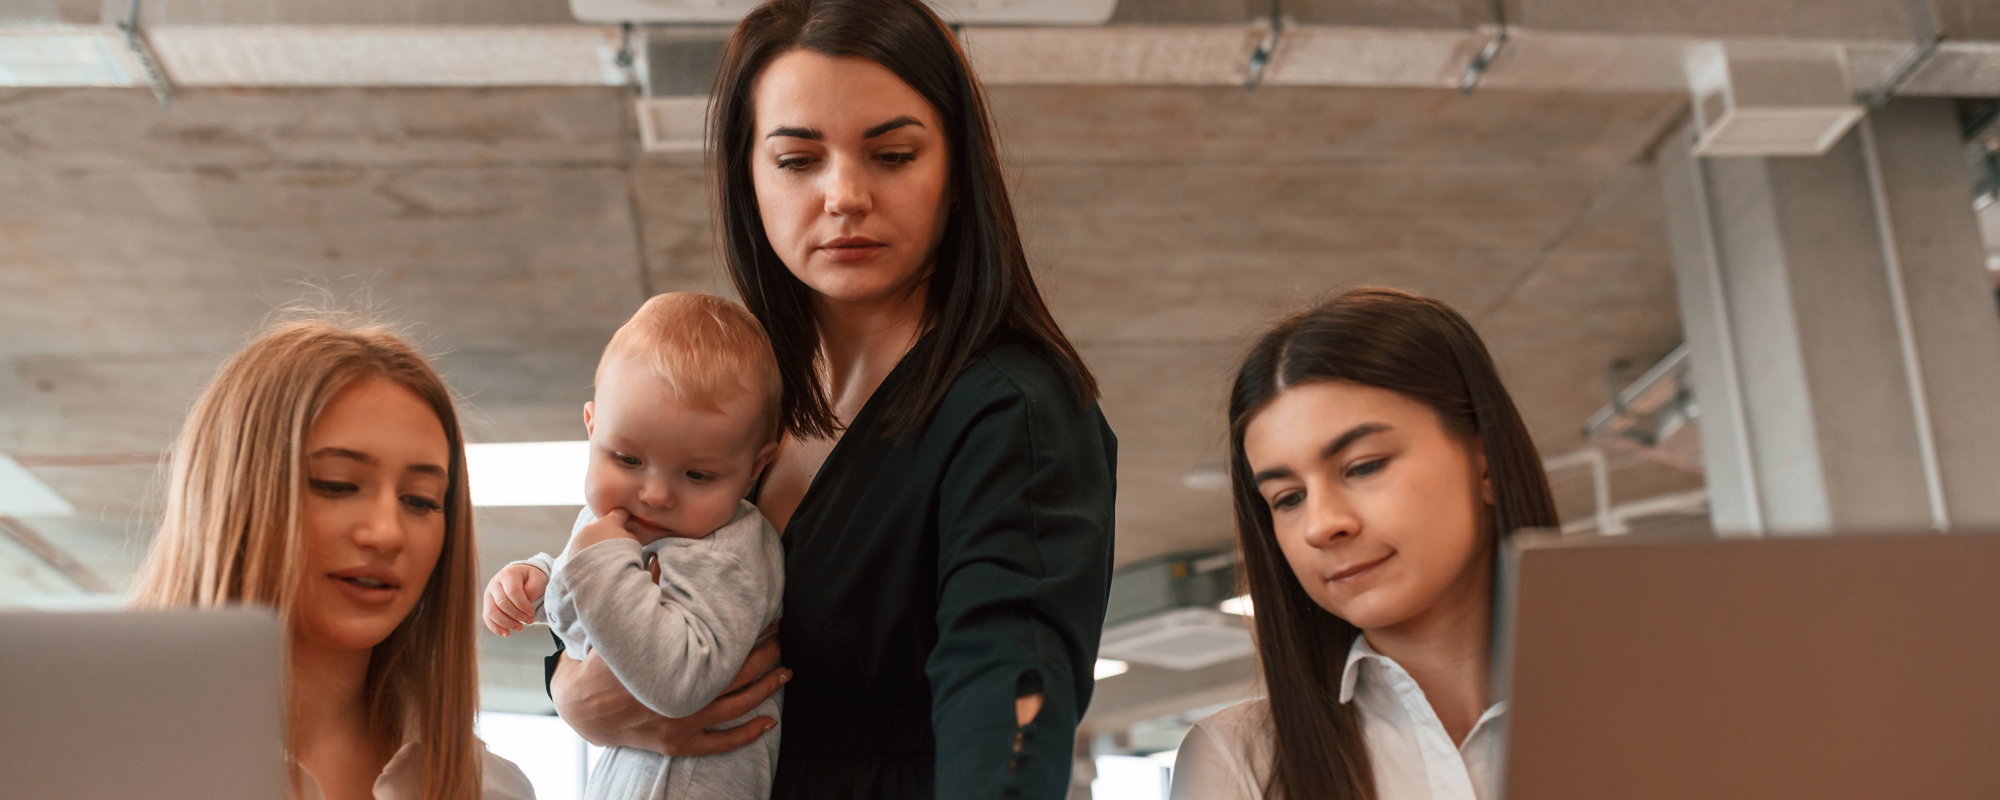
[[1329, 518], [847, 191], [382, 530]]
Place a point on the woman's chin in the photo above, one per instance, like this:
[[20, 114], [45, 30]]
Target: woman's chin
[[1369, 611], [356, 632], [856, 284]]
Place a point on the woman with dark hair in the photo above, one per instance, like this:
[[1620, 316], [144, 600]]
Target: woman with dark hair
[[1377, 462], [945, 486]]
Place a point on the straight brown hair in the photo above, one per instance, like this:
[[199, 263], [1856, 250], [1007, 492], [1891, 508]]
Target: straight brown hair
[[981, 292], [1419, 348], [231, 534]]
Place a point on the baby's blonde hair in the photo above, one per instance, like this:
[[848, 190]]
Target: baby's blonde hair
[[707, 350]]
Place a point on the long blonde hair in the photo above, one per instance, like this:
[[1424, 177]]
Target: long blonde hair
[[231, 532]]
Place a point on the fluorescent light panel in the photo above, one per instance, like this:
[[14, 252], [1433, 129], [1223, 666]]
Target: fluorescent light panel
[[1108, 667], [24, 495], [1239, 604], [527, 473]]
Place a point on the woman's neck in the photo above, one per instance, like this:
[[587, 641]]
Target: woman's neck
[[1447, 650], [863, 342], [329, 720]]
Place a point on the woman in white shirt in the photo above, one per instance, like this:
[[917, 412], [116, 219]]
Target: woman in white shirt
[[322, 474], [1377, 461]]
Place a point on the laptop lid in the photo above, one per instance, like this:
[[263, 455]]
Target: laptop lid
[[154, 704], [1827, 667]]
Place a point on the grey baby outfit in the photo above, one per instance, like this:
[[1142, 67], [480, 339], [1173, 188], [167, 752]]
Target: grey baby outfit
[[674, 644]]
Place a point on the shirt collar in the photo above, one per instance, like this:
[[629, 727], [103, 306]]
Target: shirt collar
[[1350, 677], [1351, 674]]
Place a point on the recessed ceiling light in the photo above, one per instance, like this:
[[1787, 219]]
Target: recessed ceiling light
[[1107, 667], [527, 473], [1208, 478], [24, 495]]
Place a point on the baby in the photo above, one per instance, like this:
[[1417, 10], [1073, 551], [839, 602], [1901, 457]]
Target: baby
[[684, 420]]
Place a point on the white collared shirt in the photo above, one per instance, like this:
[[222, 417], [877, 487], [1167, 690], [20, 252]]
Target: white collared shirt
[[403, 777], [1227, 756]]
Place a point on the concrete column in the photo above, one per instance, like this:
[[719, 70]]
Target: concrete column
[[1846, 348]]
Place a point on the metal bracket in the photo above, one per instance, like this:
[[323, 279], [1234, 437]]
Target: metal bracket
[[1483, 60], [1261, 57], [627, 63], [143, 52], [1924, 28]]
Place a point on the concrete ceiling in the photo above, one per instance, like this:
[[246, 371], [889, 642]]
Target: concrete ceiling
[[514, 229]]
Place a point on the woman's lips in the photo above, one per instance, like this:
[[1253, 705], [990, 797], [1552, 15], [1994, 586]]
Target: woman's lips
[[852, 248], [1349, 574], [367, 587]]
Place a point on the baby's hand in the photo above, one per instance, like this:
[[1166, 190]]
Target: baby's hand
[[511, 596], [612, 526]]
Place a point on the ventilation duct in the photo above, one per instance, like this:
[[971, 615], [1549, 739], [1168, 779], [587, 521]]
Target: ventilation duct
[[1164, 612], [677, 73], [1771, 100]]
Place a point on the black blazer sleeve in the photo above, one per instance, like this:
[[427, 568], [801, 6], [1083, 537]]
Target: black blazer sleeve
[[1024, 569]]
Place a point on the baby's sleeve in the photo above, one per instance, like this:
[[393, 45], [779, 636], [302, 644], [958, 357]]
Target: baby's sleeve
[[547, 564], [555, 609], [675, 644]]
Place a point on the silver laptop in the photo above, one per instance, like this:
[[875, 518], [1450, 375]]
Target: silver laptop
[[1827, 668], [155, 704]]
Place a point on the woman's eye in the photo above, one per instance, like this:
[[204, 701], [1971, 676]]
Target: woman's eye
[[1287, 500], [794, 163], [1367, 468], [332, 487], [897, 158], [421, 504]]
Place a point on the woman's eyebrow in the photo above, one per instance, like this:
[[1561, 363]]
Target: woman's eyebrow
[[1270, 475], [795, 133], [342, 452], [891, 125], [356, 455], [1354, 434]]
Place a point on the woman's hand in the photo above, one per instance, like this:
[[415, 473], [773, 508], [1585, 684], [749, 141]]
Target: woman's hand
[[594, 703]]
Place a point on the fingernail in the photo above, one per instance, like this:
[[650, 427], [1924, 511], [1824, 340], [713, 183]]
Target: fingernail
[[784, 677], [769, 725]]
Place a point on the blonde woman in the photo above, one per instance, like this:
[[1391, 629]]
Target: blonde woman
[[323, 475]]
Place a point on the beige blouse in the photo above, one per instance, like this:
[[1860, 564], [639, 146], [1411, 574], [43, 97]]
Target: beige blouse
[[403, 777]]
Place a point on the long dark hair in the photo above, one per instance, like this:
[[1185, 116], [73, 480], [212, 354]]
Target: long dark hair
[[1423, 350], [981, 290]]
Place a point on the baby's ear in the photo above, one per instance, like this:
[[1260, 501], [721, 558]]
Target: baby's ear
[[765, 455], [589, 410]]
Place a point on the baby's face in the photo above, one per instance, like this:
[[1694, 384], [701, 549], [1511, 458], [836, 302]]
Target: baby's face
[[676, 468]]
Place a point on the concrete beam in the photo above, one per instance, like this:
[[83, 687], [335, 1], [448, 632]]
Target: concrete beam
[[1326, 44], [1845, 345]]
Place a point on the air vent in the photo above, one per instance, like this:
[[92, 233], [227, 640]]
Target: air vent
[[1163, 612], [679, 70], [1771, 100]]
